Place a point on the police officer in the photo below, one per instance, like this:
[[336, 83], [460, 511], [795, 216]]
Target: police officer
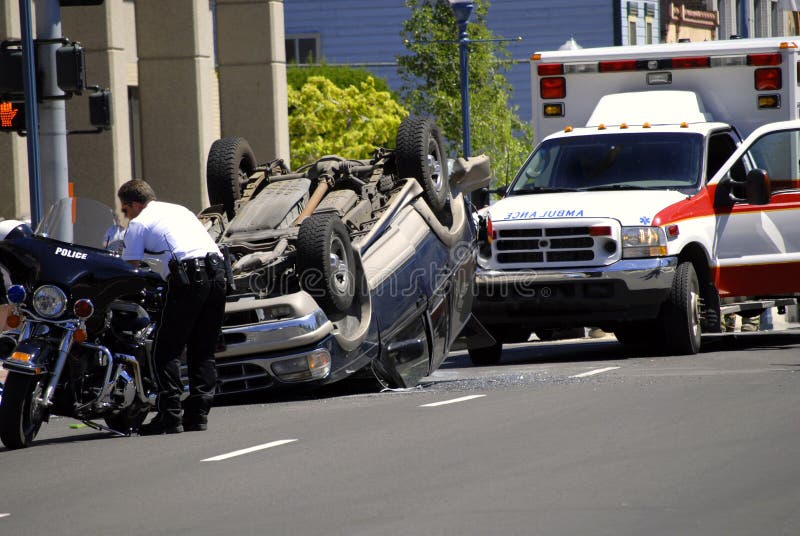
[[193, 307]]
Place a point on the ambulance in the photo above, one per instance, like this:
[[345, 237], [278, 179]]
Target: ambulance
[[641, 210]]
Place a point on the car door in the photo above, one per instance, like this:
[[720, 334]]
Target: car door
[[756, 249]]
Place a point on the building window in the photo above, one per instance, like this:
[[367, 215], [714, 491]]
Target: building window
[[631, 32], [648, 32], [302, 48]]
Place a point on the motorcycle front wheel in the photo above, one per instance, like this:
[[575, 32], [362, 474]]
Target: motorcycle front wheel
[[20, 415]]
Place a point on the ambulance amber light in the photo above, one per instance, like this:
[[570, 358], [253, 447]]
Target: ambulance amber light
[[554, 110], [550, 69], [769, 101], [553, 88], [768, 79], [764, 59], [788, 44], [616, 66]]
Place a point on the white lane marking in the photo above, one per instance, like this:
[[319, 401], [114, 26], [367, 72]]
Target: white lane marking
[[453, 401], [593, 372], [248, 450], [4, 515]]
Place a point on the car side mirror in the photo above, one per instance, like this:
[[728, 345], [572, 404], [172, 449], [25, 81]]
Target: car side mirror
[[470, 174], [757, 187]]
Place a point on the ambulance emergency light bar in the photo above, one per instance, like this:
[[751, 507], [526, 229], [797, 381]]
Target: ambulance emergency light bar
[[766, 77]]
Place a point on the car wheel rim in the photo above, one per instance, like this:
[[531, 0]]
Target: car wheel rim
[[339, 268], [435, 168]]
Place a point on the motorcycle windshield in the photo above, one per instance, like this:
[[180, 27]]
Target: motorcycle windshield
[[79, 221]]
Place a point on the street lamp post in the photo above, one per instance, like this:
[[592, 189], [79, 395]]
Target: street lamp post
[[462, 9]]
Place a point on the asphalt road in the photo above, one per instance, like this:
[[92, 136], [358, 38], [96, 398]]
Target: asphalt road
[[561, 439]]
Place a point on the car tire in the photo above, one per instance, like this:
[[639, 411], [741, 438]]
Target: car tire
[[230, 163], [681, 313], [421, 154], [326, 262]]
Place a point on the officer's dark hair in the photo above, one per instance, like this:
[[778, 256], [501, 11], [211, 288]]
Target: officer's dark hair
[[136, 191]]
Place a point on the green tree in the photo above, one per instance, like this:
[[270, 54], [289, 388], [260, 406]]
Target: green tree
[[431, 83], [326, 119], [341, 76]]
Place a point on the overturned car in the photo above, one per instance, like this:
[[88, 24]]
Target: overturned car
[[343, 266]]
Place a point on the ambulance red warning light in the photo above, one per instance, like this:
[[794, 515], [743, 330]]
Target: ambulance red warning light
[[12, 116]]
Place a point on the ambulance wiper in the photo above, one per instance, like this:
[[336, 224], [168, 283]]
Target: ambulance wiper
[[538, 189], [614, 187]]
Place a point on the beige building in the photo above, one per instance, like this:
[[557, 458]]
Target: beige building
[[173, 94]]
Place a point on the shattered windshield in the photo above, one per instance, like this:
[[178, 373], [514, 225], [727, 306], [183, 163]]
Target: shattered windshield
[[658, 161]]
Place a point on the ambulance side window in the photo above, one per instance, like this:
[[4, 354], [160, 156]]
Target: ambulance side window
[[720, 147], [777, 154]]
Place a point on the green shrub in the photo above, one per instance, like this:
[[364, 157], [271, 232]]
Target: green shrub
[[327, 119]]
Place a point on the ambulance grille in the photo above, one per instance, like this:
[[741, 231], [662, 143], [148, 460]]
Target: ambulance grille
[[544, 245]]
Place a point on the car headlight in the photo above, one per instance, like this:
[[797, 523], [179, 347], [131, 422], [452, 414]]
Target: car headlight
[[640, 242], [49, 301]]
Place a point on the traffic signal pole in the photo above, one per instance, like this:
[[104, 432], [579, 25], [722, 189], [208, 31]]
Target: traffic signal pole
[[53, 112], [32, 116]]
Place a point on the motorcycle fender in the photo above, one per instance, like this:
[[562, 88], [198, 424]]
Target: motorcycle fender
[[29, 357]]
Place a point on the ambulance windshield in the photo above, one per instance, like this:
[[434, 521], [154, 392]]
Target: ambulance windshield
[[657, 161]]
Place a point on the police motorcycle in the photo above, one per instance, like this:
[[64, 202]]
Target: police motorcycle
[[81, 324]]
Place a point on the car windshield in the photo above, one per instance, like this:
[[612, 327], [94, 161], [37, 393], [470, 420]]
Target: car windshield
[[657, 161], [79, 221]]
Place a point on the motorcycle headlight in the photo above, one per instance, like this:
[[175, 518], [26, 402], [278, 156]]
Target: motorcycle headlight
[[49, 301], [640, 242]]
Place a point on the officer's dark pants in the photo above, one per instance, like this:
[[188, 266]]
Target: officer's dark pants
[[191, 318]]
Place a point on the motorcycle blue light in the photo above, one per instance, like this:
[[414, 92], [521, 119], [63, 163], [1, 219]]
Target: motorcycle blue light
[[16, 294]]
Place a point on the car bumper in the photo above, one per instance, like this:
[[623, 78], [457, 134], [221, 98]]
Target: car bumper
[[629, 290], [274, 341]]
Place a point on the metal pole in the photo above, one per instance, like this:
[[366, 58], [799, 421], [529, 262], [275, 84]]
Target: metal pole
[[53, 117], [31, 110], [463, 57]]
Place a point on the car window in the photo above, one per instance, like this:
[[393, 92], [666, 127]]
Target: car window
[[777, 153]]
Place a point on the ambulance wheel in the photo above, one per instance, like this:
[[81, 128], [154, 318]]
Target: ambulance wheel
[[681, 313], [420, 154], [230, 163]]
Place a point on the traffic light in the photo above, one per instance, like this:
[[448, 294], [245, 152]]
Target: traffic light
[[11, 81], [71, 68], [100, 109], [12, 116]]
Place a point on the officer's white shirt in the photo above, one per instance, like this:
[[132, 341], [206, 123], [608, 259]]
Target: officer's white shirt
[[162, 230]]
